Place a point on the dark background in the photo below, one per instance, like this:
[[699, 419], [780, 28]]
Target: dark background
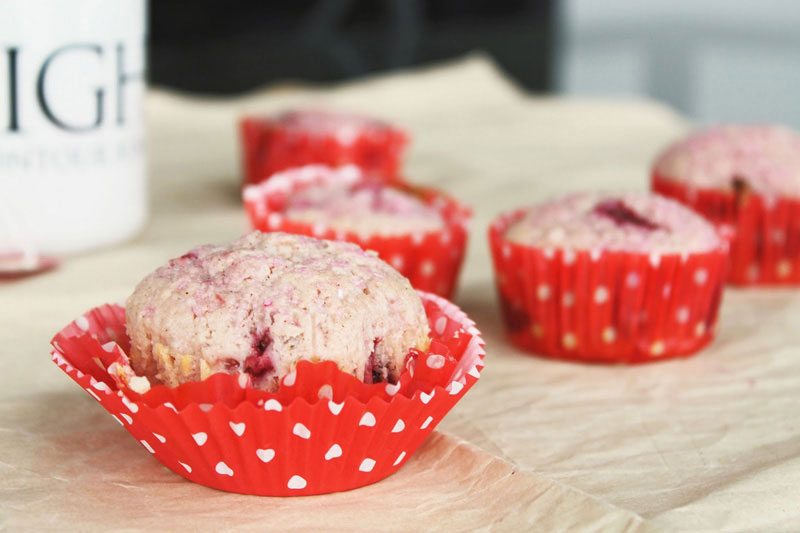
[[215, 47]]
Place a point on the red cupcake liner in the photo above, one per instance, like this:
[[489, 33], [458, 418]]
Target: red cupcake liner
[[269, 147], [431, 260], [606, 306], [764, 233], [323, 431]]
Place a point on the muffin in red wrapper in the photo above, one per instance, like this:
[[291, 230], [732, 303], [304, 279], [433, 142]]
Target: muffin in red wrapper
[[320, 430], [627, 278], [419, 231], [296, 138], [746, 181]]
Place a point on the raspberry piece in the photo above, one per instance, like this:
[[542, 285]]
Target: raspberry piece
[[621, 214], [259, 363]]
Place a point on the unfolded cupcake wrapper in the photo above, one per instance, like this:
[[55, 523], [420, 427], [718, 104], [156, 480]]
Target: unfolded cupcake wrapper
[[323, 431], [268, 147], [430, 260], [606, 306], [764, 233]]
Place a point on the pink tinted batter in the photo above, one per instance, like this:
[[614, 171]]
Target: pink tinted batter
[[764, 158], [631, 222]]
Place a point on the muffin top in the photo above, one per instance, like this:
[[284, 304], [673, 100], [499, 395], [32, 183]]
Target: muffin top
[[629, 222], [267, 301], [344, 202], [763, 158], [346, 127]]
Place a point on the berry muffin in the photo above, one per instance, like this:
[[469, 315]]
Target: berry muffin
[[746, 181], [279, 365], [296, 138], [622, 278], [268, 301], [419, 231], [363, 208]]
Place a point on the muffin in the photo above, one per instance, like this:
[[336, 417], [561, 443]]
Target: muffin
[[624, 278], [279, 365], [746, 181], [419, 231], [363, 208], [296, 138], [267, 301]]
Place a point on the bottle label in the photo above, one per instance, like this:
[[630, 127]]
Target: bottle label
[[72, 162]]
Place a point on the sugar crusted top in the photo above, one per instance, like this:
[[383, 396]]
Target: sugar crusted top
[[364, 208], [630, 222], [763, 158], [267, 301]]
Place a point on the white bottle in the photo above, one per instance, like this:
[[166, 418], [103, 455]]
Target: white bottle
[[72, 153]]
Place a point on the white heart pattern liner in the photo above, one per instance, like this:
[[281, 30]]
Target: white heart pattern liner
[[273, 405], [333, 452], [266, 455], [223, 469], [200, 438], [301, 431], [296, 483], [232, 474], [335, 408], [368, 419], [425, 398], [455, 387]]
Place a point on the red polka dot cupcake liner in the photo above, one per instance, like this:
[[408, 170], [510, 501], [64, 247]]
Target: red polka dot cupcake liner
[[323, 430], [430, 260], [764, 233], [268, 147], [605, 306]]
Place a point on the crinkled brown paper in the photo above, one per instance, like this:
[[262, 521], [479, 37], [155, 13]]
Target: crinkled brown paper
[[706, 443]]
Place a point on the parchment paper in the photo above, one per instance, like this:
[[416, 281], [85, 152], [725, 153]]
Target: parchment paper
[[711, 442]]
